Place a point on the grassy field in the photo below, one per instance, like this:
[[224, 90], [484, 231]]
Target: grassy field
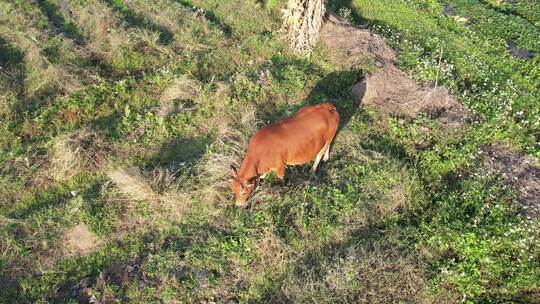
[[119, 121]]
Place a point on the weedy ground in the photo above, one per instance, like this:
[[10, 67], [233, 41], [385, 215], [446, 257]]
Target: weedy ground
[[119, 120]]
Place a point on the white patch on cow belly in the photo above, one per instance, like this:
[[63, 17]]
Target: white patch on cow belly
[[297, 163]]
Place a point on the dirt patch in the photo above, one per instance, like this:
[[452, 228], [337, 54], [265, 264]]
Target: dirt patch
[[521, 171], [122, 273], [389, 279], [80, 240], [389, 88], [394, 91], [93, 290], [354, 45]]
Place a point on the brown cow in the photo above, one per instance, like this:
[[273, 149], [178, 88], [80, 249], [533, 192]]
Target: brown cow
[[293, 140]]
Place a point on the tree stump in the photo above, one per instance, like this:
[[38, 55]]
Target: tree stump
[[302, 20]]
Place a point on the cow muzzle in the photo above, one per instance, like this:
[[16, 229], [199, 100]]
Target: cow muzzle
[[242, 205]]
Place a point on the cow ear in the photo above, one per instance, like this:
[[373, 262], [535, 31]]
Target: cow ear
[[234, 174]]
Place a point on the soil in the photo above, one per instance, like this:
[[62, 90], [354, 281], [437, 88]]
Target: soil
[[80, 240], [354, 45], [122, 273], [389, 88], [521, 171], [394, 91]]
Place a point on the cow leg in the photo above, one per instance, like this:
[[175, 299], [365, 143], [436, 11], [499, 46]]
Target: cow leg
[[326, 154], [327, 146], [318, 158]]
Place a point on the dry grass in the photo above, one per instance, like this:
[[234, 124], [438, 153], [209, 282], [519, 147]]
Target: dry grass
[[149, 39], [80, 150], [38, 71], [354, 274], [65, 162], [108, 39], [41, 75], [351, 46], [396, 199], [99, 24], [162, 14], [162, 179], [181, 88], [170, 194], [171, 204], [96, 21], [228, 148], [131, 184], [271, 254]]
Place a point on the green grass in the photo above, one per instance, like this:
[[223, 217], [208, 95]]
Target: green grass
[[475, 63], [168, 95]]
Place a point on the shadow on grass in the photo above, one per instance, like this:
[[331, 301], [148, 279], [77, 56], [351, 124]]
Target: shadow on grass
[[13, 78], [209, 15], [509, 12], [53, 197], [135, 20], [12, 71], [336, 5], [59, 22], [333, 87], [179, 152]]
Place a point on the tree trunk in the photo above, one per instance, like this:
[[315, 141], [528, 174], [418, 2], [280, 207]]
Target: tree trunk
[[302, 20]]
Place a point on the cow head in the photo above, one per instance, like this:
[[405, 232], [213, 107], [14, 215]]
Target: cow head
[[242, 187]]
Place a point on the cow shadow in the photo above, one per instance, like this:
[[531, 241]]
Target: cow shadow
[[336, 88]]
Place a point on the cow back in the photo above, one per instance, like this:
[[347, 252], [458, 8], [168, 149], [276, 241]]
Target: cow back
[[297, 139]]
